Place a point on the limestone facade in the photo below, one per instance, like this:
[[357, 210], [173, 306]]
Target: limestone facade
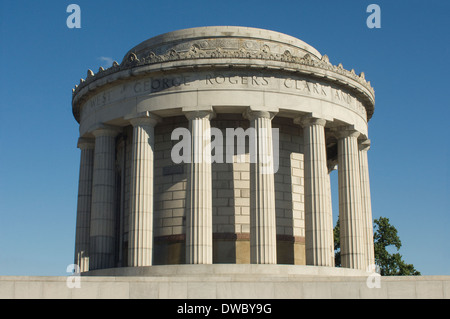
[[268, 201]]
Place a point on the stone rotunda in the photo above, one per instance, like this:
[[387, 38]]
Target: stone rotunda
[[139, 207]]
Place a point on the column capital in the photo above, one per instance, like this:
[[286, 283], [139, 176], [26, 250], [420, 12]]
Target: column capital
[[105, 130], [308, 120], [346, 131], [364, 145], [85, 143], [252, 113], [143, 119], [199, 112]]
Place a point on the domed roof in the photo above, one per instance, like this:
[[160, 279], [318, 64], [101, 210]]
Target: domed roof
[[228, 38]]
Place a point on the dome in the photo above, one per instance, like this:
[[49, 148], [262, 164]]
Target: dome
[[227, 38]]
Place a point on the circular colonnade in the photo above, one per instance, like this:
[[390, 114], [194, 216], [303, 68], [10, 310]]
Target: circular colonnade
[[249, 99]]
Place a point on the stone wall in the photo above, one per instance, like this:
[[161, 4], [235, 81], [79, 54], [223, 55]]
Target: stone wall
[[223, 281], [170, 196]]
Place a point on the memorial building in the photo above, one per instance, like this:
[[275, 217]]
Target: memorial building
[[214, 145]]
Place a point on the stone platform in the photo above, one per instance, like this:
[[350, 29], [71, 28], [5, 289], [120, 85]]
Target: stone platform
[[221, 281]]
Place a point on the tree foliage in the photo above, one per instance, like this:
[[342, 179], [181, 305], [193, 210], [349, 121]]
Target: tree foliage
[[337, 244], [385, 237]]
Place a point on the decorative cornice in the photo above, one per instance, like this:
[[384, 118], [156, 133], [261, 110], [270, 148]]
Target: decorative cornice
[[306, 64]]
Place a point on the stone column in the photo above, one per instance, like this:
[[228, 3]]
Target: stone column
[[319, 240], [102, 231], [350, 217], [364, 146], [263, 243], [199, 190], [86, 145], [141, 192]]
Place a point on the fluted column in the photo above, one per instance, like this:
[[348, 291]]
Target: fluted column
[[319, 239], [141, 192], [86, 145], [364, 147], [103, 202], [350, 212], [263, 244], [199, 192]]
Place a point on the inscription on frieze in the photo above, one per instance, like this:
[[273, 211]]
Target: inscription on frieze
[[151, 85], [253, 80], [205, 81]]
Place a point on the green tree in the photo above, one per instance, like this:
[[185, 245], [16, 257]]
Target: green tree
[[337, 244], [385, 235]]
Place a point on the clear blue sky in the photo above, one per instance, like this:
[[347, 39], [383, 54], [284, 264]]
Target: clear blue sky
[[407, 62]]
